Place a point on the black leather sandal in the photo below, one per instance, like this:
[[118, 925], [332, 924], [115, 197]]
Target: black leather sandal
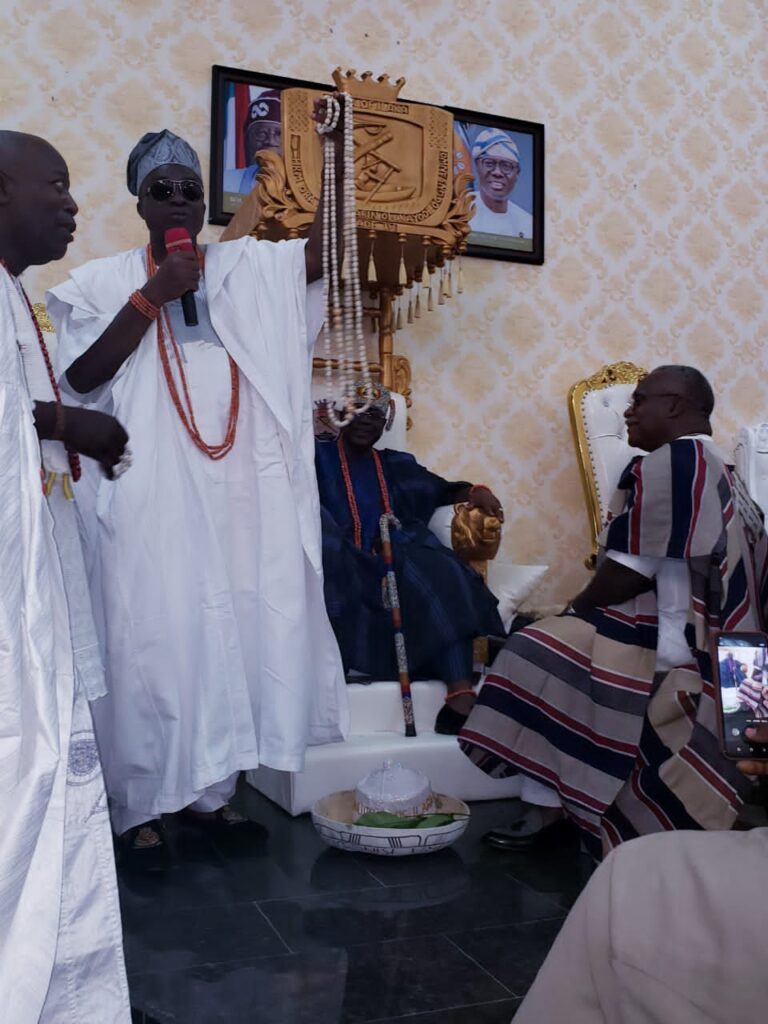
[[533, 826], [143, 848], [226, 821]]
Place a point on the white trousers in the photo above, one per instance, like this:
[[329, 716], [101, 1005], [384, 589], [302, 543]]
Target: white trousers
[[211, 798], [534, 792], [670, 930], [217, 795]]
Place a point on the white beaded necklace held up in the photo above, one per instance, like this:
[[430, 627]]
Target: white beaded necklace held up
[[343, 327]]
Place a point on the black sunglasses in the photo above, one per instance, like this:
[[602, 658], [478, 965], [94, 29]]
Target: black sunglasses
[[163, 189]]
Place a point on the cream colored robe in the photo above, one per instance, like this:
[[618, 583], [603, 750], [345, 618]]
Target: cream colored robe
[[670, 930]]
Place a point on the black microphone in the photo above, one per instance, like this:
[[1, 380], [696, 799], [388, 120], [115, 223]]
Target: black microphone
[[179, 240], [189, 309]]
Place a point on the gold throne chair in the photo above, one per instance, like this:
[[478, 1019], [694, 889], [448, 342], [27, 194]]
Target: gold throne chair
[[413, 218], [596, 407]]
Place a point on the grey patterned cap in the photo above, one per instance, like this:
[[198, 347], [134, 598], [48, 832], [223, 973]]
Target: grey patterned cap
[[155, 149]]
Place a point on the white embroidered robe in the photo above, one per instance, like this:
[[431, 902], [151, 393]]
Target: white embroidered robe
[[219, 652], [61, 959]]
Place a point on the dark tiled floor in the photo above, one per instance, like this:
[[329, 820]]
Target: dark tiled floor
[[293, 932]]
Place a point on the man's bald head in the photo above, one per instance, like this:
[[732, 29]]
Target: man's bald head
[[693, 385], [670, 402], [18, 150], [37, 213]]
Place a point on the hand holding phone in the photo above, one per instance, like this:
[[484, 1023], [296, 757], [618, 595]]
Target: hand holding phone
[[756, 767], [740, 675]]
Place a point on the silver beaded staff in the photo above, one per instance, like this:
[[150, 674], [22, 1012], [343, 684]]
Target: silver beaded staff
[[393, 599]]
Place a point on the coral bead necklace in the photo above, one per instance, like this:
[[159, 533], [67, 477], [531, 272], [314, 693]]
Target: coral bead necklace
[[352, 500], [72, 456], [184, 406]]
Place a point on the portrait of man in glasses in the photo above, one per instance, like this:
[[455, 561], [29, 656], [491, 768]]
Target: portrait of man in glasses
[[497, 165]]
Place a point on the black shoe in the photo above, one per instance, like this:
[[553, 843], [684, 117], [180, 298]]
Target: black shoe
[[227, 823], [531, 827], [449, 722], [143, 848]]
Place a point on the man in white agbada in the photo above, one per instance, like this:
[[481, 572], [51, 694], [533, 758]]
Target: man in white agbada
[[497, 168], [207, 555], [669, 930], [61, 956]]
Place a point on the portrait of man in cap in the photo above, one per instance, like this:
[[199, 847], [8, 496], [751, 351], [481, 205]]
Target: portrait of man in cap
[[501, 168], [253, 124]]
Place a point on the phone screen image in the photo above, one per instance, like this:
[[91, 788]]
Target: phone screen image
[[743, 672]]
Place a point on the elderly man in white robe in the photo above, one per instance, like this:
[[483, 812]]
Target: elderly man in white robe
[[669, 930], [206, 556], [61, 957]]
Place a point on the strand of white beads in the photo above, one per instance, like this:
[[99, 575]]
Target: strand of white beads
[[332, 112], [357, 333], [343, 332]]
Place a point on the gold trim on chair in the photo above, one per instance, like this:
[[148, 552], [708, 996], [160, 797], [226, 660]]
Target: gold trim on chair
[[608, 376]]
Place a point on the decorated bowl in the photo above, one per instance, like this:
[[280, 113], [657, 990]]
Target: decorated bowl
[[334, 815]]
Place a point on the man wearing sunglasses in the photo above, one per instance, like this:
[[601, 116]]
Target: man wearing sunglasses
[[445, 603], [610, 705], [208, 562]]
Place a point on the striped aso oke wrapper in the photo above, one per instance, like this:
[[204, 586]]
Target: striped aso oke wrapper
[[575, 701]]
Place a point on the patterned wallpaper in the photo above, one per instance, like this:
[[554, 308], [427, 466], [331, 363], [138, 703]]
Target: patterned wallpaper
[[657, 149]]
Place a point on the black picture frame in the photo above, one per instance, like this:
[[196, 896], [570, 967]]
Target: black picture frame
[[238, 96], [528, 137], [228, 131]]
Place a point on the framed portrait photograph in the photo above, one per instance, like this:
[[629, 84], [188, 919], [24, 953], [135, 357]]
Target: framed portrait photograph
[[245, 118], [506, 160]]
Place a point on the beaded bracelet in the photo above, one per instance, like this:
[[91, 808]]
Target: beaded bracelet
[[144, 306], [464, 692]]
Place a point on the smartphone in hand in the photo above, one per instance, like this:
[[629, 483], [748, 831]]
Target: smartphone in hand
[[740, 677]]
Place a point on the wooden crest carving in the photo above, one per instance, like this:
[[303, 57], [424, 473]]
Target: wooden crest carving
[[411, 208], [409, 203]]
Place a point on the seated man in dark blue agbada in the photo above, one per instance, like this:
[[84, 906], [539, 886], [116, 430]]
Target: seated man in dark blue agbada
[[444, 602]]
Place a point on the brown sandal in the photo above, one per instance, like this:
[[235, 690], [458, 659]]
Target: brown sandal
[[144, 848]]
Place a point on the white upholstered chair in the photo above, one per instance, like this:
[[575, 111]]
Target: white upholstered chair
[[596, 406], [751, 459]]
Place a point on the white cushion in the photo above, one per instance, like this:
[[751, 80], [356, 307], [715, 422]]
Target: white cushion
[[512, 585], [603, 417], [396, 436], [751, 458], [440, 524]]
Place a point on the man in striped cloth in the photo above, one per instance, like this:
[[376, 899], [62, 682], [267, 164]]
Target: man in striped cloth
[[753, 691], [611, 704]]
